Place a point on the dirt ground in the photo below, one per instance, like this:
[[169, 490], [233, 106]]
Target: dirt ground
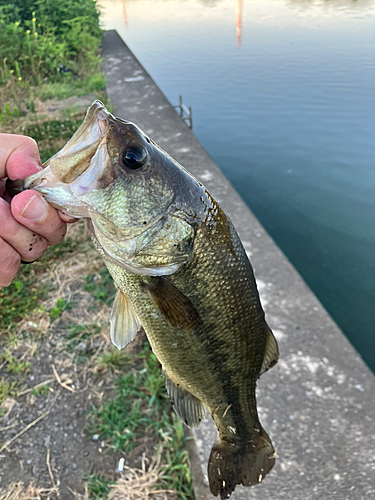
[[44, 437], [55, 451]]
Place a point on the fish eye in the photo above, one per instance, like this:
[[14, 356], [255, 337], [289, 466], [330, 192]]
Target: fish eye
[[134, 157]]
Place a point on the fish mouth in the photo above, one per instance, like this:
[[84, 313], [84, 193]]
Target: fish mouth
[[74, 158], [71, 169]]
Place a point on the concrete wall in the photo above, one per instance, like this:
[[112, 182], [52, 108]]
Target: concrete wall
[[318, 403]]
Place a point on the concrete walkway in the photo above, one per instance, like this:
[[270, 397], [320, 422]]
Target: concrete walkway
[[318, 403]]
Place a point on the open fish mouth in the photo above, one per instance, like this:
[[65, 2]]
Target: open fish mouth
[[75, 169]]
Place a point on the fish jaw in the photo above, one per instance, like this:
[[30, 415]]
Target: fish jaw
[[75, 169]]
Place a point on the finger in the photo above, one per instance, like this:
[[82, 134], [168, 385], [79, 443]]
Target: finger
[[19, 156], [28, 244], [67, 218], [10, 262], [31, 210]]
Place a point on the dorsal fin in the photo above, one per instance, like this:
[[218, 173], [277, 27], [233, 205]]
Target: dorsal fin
[[172, 303], [271, 353], [190, 410], [124, 321]]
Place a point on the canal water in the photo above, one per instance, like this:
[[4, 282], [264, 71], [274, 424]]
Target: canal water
[[283, 98]]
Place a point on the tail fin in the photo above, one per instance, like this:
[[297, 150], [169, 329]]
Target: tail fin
[[243, 463]]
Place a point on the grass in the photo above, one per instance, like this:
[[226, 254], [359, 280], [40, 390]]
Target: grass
[[78, 333], [61, 306], [62, 90], [26, 292], [113, 361], [176, 472], [101, 286], [7, 389], [13, 365], [43, 390], [79, 340], [140, 407], [98, 486], [21, 297]]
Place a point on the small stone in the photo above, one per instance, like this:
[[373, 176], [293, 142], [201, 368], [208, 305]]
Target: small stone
[[95, 437], [120, 466], [74, 466], [81, 347]]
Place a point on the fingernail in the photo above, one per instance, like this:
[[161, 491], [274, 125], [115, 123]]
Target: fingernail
[[35, 209]]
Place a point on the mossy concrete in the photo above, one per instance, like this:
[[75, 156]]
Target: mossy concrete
[[318, 402]]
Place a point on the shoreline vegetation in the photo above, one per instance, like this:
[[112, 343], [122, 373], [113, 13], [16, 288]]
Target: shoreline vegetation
[[72, 405]]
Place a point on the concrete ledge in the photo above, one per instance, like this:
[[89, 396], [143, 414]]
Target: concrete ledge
[[318, 403]]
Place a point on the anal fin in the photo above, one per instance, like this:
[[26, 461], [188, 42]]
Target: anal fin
[[271, 353], [190, 410], [124, 321]]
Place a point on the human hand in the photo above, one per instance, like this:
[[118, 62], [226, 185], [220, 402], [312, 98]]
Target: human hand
[[28, 224]]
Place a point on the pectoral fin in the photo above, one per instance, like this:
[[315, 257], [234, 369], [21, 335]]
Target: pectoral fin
[[124, 321], [188, 408], [173, 304], [271, 353]]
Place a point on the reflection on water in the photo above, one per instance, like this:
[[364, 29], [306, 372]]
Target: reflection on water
[[239, 22], [124, 14], [335, 4], [288, 118]]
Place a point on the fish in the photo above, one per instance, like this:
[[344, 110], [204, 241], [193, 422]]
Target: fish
[[181, 273]]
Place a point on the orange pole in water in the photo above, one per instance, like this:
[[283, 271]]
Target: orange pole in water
[[239, 22], [124, 14]]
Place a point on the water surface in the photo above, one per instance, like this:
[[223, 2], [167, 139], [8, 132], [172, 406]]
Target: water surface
[[283, 99]]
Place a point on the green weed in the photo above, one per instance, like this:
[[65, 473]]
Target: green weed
[[78, 333], [52, 129], [176, 473], [21, 297], [78, 336], [68, 112], [101, 286], [43, 390], [7, 389], [113, 360], [65, 249], [13, 365], [139, 407], [121, 419], [48, 40], [98, 486], [25, 293], [61, 306], [61, 90], [48, 135], [31, 105]]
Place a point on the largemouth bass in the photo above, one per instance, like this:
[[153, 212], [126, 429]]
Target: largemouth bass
[[181, 273]]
